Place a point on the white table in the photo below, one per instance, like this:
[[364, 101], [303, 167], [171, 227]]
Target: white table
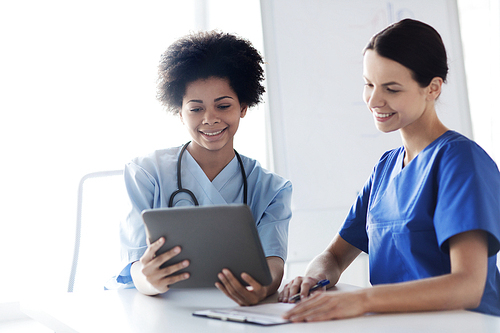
[[130, 311]]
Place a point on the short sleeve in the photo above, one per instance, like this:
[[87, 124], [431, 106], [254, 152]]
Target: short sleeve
[[468, 195], [142, 190], [353, 230], [273, 225]]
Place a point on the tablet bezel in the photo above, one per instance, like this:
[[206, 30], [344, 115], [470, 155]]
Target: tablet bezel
[[212, 238]]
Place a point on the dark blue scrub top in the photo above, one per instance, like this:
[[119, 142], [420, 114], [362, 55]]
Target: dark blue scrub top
[[404, 217]]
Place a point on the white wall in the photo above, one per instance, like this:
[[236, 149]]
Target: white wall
[[324, 139]]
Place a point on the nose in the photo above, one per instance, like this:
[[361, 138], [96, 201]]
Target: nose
[[210, 117], [374, 98]]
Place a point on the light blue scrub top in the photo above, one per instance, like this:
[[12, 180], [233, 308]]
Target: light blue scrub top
[[404, 217], [150, 181]]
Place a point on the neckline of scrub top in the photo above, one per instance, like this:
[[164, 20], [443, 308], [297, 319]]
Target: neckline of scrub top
[[212, 188], [439, 139]]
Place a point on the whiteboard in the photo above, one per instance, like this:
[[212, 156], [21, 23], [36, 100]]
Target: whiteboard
[[323, 136]]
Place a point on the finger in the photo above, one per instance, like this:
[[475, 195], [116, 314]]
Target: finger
[[319, 290], [164, 257], [301, 286], [170, 270], [222, 287], [307, 309], [304, 290], [258, 292], [233, 287], [291, 289], [285, 293], [306, 286], [163, 284], [152, 265], [151, 250], [172, 279], [165, 277], [314, 314], [232, 284], [298, 309], [251, 281]]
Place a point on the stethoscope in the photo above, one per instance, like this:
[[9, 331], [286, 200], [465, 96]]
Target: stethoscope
[[191, 194]]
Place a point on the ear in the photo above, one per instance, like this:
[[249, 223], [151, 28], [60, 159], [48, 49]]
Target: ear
[[180, 117], [244, 109], [434, 88]]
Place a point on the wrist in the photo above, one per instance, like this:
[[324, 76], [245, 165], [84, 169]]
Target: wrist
[[140, 281], [366, 299]]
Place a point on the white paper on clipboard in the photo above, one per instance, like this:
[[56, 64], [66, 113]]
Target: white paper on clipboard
[[261, 314]]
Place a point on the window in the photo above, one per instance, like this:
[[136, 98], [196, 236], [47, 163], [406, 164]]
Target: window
[[78, 95], [480, 28]]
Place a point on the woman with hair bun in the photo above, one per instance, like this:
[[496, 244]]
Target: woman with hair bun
[[429, 214]]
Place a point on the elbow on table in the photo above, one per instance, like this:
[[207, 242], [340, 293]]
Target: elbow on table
[[474, 301], [471, 297]]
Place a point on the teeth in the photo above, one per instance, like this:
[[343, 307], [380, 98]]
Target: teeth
[[214, 133], [383, 115]]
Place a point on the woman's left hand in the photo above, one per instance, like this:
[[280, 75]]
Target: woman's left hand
[[242, 295], [328, 305]]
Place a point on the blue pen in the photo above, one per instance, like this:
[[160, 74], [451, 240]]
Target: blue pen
[[318, 285]]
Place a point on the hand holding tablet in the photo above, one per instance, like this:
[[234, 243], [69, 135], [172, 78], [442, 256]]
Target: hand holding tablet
[[211, 238]]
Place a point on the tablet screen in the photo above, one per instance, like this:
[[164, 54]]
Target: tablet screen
[[211, 238]]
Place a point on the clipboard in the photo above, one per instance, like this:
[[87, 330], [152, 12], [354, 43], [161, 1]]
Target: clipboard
[[268, 314]]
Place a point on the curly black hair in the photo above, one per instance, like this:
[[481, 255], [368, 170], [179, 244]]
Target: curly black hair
[[210, 54]]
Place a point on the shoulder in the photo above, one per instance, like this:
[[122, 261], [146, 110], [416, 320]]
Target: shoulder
[[388, 160], [157, 156], [155, 161], [455, 151], [257, 174], [391, 155]]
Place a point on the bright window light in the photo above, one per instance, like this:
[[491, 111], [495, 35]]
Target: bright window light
[[78, 82]]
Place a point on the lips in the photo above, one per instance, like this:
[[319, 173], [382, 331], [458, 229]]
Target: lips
[[383, 116], [213, 135]]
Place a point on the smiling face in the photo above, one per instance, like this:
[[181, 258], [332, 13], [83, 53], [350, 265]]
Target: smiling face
[[395, 99], [211, 112]]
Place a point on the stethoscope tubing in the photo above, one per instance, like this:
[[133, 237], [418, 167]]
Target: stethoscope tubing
[[180, 189]]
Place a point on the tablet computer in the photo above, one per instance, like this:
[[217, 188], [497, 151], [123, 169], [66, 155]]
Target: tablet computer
[[211, 238]]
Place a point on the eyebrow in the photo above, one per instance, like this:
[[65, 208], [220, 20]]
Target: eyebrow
[[222, 97], [215, 100], [391, 83]]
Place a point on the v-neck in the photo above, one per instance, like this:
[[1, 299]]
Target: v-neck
[[211, 188], [400, 161]]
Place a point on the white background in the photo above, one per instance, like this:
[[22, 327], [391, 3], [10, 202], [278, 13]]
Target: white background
[[77, 95]]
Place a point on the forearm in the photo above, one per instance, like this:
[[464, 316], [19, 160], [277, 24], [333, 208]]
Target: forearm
[[333, 261], [324, 266], [461, 289], [447, 292], [276, 267]]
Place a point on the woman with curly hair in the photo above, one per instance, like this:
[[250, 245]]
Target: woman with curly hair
[[208, 79]]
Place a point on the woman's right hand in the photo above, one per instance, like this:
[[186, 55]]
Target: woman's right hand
[[147, 270], [299, 284]]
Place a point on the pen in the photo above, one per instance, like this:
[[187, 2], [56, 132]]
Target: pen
[[318, 285]]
